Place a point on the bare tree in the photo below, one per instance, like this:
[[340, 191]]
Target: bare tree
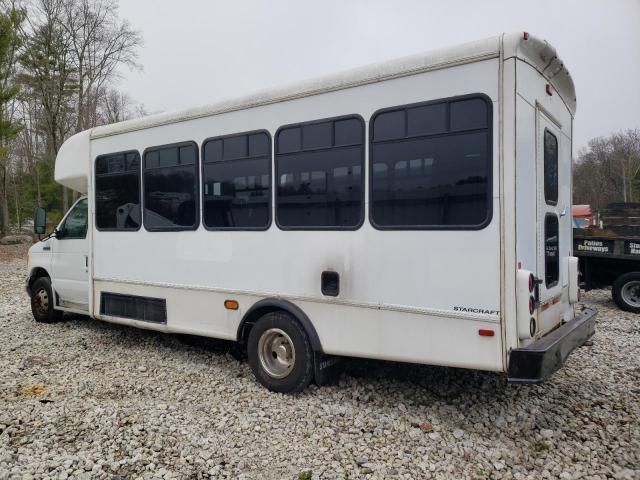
[[608, 169], [100, 43], [626, 159]]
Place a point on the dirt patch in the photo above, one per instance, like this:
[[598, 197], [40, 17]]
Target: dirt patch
[[32, 391], [14, 253]]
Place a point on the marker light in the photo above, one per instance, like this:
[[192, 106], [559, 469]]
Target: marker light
[[486, 332], [549, 89], [231, 305], [525, 35], [532, 282]]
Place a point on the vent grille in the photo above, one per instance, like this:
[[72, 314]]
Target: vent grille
[[136, 308]]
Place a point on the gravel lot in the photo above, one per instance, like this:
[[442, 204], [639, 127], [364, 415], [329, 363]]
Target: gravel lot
[[87, 399]]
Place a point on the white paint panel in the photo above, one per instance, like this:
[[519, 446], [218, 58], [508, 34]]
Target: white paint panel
[[393, 269]]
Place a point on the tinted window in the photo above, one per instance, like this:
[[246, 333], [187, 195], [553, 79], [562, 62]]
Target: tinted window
[[550, 167], [236, 182], [468, 114], [170, 187], [118, 191], [551, 253], [430, 176], [75, 225], [320, 182]]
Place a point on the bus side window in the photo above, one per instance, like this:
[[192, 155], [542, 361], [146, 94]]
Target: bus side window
[[239, 169], [171, 187], [319, 166], [117, 191], [431, 165]]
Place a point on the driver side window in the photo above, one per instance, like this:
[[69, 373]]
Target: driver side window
[[75, 225]]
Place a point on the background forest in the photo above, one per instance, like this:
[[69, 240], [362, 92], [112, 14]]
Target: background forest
[[59, 74], [59, 71]]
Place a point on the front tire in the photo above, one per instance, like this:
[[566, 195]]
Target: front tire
[[42, 302], [626, 292], [280, 354]]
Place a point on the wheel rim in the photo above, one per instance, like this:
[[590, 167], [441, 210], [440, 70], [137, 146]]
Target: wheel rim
[[276, 353], [631, 293], [42, 301]]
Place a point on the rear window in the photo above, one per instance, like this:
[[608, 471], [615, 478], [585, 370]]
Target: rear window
[[551, 257], [550, 168]]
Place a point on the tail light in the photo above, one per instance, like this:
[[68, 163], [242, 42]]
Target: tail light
[[532, 305]]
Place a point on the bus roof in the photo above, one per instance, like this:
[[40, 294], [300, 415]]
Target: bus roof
[[538, 53], [72, 170]]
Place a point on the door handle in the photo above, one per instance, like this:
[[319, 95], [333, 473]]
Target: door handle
[[86, 263], [330, 283], [46, 248]]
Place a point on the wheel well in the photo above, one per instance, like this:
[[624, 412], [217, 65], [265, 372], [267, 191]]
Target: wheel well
[[37, 273], [272, 305]]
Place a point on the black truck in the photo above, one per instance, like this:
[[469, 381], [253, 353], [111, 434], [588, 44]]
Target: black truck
[[610, 255]]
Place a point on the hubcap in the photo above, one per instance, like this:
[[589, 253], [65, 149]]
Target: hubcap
[[631, 293], [42, 301], [276, 353]]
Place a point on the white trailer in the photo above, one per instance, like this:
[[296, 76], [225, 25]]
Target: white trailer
[[417, 210]]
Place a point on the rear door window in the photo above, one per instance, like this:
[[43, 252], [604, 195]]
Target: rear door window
[[551, 253], [550, 168]]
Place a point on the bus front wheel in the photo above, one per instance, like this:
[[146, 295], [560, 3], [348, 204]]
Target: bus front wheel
[[42, 302], [280, 353]]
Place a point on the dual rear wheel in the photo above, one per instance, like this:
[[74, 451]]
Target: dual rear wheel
[[280, 353]]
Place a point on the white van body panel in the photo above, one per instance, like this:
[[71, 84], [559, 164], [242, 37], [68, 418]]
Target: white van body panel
[[406, 295]]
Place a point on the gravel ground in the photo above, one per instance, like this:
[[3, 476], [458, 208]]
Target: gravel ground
[[87, 399]]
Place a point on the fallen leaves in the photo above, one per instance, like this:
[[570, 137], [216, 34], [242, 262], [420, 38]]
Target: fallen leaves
[[425, 427]]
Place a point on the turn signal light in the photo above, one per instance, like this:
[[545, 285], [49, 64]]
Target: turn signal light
[[231, 305], [532, 282], [532, 305]]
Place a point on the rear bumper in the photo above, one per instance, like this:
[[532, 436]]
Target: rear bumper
[[538, 361]]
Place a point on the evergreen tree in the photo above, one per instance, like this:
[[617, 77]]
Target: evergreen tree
[[10, 40]]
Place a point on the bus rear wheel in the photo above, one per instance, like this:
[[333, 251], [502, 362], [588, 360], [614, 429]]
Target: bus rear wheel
[[626, 292], [42, 302], [280, 353]]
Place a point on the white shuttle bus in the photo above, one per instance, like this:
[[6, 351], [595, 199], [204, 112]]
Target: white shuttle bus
[[417, 210]]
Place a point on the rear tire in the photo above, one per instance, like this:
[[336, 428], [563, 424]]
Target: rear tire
[[280, 353], [626, 292], [42, 300]]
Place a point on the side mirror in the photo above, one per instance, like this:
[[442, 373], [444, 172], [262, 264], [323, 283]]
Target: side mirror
[[40, 221]]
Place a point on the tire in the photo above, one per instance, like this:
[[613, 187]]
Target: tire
[[42, 302], [280, 353], [626, 292]]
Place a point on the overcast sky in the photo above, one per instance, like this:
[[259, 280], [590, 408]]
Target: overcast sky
[[197, 52]]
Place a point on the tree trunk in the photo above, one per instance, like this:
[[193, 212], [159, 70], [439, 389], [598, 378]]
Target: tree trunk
[[65, 200], [624, 182], [39, 196], [5, 203], [17, 200]]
